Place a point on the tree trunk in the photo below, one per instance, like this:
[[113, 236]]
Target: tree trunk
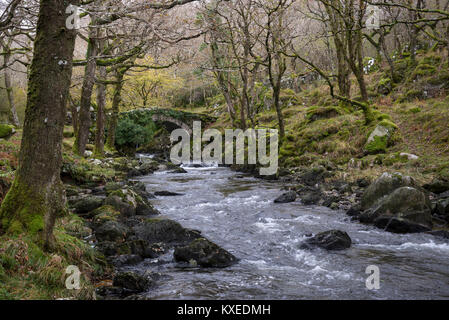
[[343, 72], [390, 62], [74, 111], [37, 195], [276, 94], [101, 102], [14, 118], [82, 135], [117, 98]]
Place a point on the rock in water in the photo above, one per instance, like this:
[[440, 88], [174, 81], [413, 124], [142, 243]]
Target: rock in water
[[329, 240], [311, 198], [405, 210], [132, 281], [354, 211], [205, 254], [440, 233], [286, 197], [126, 259], [399, 225], [442, 209], [167, 194], [165, 231], [384, 186]]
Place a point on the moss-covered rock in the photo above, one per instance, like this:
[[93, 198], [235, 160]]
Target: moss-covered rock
[[385, 86], [131, 281], [88, 204], [104, 213], [383, 186], [6, 130], [125, 208], [111, 187], [320, 112], [112, 231], [129, 203], [83, 171], [75, 226], [408, 208], [380, 138]]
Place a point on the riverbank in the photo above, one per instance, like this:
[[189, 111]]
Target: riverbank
[[109, 223]]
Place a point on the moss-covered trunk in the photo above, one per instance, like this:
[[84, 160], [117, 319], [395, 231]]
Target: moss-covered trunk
[[36, 196]]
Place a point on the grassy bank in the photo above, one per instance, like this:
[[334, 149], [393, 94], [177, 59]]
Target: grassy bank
[[322, 130], [28, 272]]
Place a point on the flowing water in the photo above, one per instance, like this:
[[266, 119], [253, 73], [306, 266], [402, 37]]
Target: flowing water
[[239, 215]]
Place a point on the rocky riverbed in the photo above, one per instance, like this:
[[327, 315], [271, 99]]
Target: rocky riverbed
[[257, 235]]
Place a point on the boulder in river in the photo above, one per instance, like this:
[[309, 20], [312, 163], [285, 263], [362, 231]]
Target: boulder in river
[[311, 198], [126, 259], [148, 167], [441, 209], [286, 197], [444, 234], [384, 186], [405, 210], [354, 211], [178, 170], [167, 194], [132, 281], [400, 225], [205, 254], [165, 231], [329, 240]]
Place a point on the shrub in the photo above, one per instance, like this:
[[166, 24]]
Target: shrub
[[130, 134]]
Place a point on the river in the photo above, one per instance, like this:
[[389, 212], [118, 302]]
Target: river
[[238, 214]]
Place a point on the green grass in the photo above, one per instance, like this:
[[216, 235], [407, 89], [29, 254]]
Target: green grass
[[28, 272]]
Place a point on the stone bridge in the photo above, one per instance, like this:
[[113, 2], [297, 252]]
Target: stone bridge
[[170, 118]]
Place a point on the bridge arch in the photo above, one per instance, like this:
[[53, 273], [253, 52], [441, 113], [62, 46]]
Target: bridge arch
[[177, 122], [181, 119]]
